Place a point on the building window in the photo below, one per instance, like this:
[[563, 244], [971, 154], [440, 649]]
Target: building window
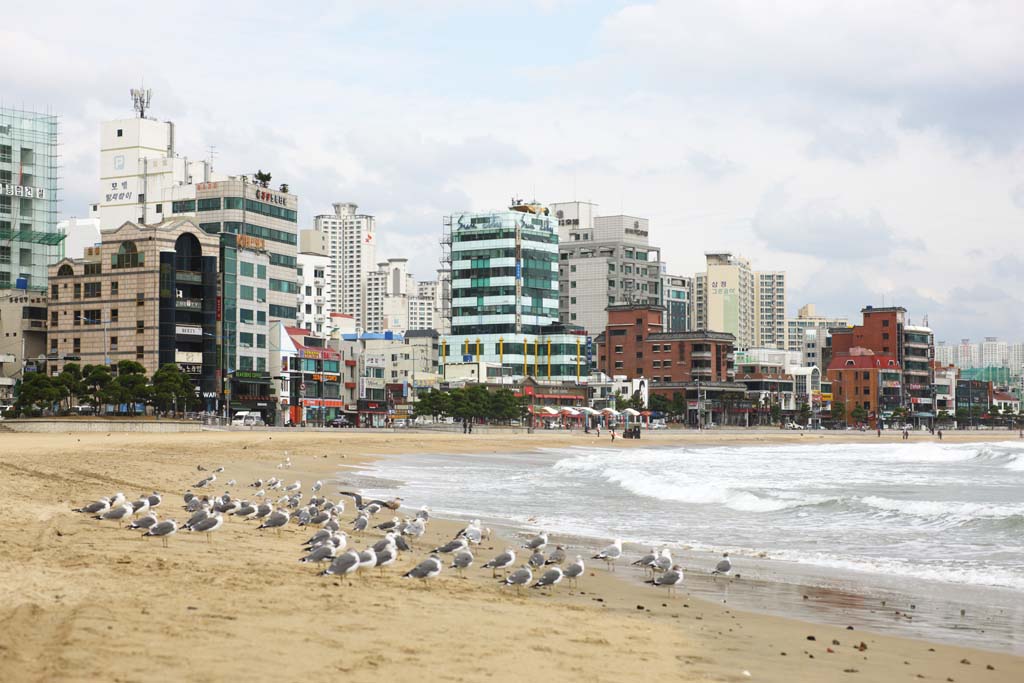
[[76, 345], [140, 353], [245, 362], [885, 323], [92, 317], [140, 326], [120, 132], [113, 343], [127, 256], [245, 340], [160, 208], [140, 298], [244, 315], [209, 204], [261, 272], [245, 269], [113, 316], [245, 292], [618, 365], [261, 364], [618, 349], [93, 290], [77, 318], [53, 319], [261, 341], [78, 290], [113, 288]]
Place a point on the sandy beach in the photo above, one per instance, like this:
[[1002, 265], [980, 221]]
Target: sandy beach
[[84, 600]]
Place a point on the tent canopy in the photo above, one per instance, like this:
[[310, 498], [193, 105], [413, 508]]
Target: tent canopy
[[630, 411]]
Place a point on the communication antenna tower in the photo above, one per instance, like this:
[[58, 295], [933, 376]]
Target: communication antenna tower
[[140, 100]]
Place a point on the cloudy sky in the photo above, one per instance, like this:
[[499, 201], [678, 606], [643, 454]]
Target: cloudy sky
[[871, 149]]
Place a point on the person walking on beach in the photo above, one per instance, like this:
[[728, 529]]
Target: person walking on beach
[[599, 430], [940, 435], [613, 433]]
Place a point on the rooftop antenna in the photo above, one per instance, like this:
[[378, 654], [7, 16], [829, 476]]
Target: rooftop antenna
[[212, 153], [140, 100]]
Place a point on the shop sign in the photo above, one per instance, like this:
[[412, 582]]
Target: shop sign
[[271, 198], [203, 187], [188, 356], [118, 191], [310, 353], [250, 242], [191, 368], [27, 191], [248, 374], [374, 361], [188, 330]]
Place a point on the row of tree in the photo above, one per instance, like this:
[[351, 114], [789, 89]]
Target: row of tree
[[169, 389], [473, 402]]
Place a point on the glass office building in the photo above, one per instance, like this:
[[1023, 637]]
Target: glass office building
[[504, 295], [29, 182]]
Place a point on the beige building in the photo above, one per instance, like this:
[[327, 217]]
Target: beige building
[[732, 297], [147, 293], [22, 336]]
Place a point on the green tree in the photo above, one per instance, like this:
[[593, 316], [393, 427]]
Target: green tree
[[660, 403], [262, 179], [427, 404], [805, 413], [72, 383], [95, 380], [838, 411], [503, 405], [636, 401], [37, 391], [678, 404], [859, 414], [776, 413], [129, 387], [172, 389]]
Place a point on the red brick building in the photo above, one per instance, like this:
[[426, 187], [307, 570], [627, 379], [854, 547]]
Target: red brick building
[[635, 345], [860, 378]]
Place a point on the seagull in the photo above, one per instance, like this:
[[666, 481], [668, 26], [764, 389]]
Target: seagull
[[452, 546], [648, 560], [392, 504], [97, 507], [232, 482], [671, 579], [537, 542], [415, 529], [372, 509], [199, 516], [343, 564], [557, 555], [258, 484], [386, 556], [519, 578], [462, 561], [163, 529], [317, 486], [387, 526], [389, 539], [427, 569], [472, 532], [575, 570], [549, 578], [203, 483], [218, 470], [294, 487], [724, 566], [610, 554], [423, 513], [208, 525], [536, 559], [367, 559], [360, 523], [502, 561], [275, 520], [245, 509], [155, 499], [119, 513], [664, 561], [327, 551], [146, 522], [262, 510], [117, 499]]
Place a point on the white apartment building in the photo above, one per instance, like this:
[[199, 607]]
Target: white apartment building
[[426, 308], [994, 353], [676, 293], [396, 301], [351, 246], [603, 260], [945, 354], [806, 319], [770, 309], [968, 355], [313, 299]]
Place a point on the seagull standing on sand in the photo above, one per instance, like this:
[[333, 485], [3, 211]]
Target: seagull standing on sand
[[367, 559], [163, 529], [557, 556], [724, 566], [155, 499], [427, 569], [208, 525], [664, 561], [119, 513], [575, 570], [536, 560], [146, 522], [647, 561], [519, 578], [343, 564], [453, 546], [671, 579], [276, 520], [550, 578], [321, 553], [538, 542], [97, 507], [502, 561], [462, 561], [610, 554]]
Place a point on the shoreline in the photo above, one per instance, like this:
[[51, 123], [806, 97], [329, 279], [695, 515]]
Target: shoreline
[[812, 593], [86, 600]]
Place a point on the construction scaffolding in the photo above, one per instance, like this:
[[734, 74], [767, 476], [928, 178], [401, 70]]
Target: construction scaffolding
[[445, 273]]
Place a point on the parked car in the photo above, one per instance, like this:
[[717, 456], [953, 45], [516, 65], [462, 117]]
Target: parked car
[[247, 418], [794, 425], [340, 421]]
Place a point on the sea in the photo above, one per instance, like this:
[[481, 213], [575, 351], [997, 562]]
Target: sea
[[888, 533]]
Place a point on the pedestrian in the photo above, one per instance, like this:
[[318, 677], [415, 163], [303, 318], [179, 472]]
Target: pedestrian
[[879, 432], [465, 426], [613, 433], [940, 435], [599, 430], [470, 427]]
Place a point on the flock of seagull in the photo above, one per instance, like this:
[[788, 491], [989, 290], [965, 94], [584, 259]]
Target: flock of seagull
[[275, 504]]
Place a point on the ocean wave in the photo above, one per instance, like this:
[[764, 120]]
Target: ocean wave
[[959, 510]]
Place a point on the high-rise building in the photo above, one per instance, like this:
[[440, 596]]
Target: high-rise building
[[29, 182], [807, 318], [731, 297], [603, 260], [994, 353], [504, 295], [945, 354], [1016, 358], [352, 249], [313, 301], [676, 291], [968, 355]]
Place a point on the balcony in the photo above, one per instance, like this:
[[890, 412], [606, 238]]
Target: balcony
[[706, 355]]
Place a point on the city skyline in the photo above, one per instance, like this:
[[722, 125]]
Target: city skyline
[[861, 188]]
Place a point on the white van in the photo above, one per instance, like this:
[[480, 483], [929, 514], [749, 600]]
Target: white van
[[247, 418]]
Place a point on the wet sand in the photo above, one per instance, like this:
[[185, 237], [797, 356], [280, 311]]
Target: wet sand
[[84, 600]]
